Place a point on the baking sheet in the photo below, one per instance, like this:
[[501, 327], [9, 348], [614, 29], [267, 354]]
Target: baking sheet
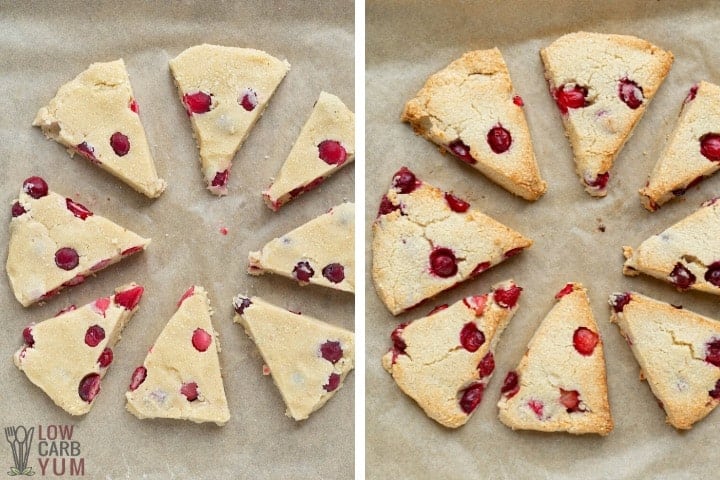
[[45, 44], [408, 41]]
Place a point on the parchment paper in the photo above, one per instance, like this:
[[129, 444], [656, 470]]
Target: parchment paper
[[407, 41], [45, 44]]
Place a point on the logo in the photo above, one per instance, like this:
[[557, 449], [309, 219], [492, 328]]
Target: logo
[[20, 440]]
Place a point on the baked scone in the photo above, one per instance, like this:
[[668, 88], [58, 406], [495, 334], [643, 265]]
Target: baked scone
[[224, 91], [678, 352], [686, 254], [693, 151], [602, 85], [96, 116], [444, 361], [68, 355], [560, 384], [426, 241], [321, 252], [470, 110], [181, 376], [307, 359], [56, 242], [326, 144]]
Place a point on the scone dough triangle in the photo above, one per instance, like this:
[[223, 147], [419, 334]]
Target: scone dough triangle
[[426, 241], [326, 143], [678, 352], [321, 252], [308, 359], [181, 376], [470, 110], [444, 361], [560, 384], [96, 116], [68, 355], [602, 85], [224, 91], [56, 242]]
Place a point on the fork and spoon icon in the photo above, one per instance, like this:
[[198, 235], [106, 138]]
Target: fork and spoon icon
[[20, 440]]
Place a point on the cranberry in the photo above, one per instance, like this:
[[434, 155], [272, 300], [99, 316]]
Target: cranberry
[[28, 336], [130, 298], [87, 151], [77, 209], [331, 351], [630, 93], [198, 102], [571, 400], [303, 272], [129, 251], [333, 382], [240, 304], [221, 179], [681, 277], [438, 309], [89, 387], [476, 303], [94, 335], [297, 191], [405, 181], [585, 340], [537, 407], [512, 252], [486, 365], [713, 352], [570, 96], [134, 106], [443, 262], [138, 377], [35, 187], [248, 99], [599, 182], [471, 338], [461, 151], [456, 204], [120, 144], [67, 258], [471, 397], [692, 93], [619, 300], [386, 206], [566, 290], [481, 267], [499, 139], [399, 344], [710, 146], [511, 385], [334, 272], [507, 298], [190, 391], [188, 293], [201, 340], [517, 100], [681, 191], [715, 392], [332, 152], [69, 308], [106, 357], [712, 274], [18, 209]]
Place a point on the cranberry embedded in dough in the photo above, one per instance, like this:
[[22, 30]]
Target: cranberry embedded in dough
[[630, 93], [17, 209], [499, 139], [486, 365], [456, 204], [89, 387], [94, 335], [334, 272], [471, 397], [248, 99], [585, 340], [197, 102], [120, 144], [331, 351], [303, 271], [36, 187], [77, 209], [138, 377], [332, 152], [201, 340], [443, 262], [67, 258], [190, 391], [106, 357]]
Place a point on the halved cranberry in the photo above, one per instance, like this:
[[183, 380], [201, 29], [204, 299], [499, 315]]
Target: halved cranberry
[[188, 293], [512, 252], [517, 100], [399, 344], [67, 258], [570, 96], [333, 382], [17, 209], [331, 351], [630, 93], [571, 400], [499, 139], [443, 262], [456, 204], [438, 309], [240, 304], [471, 338], [35, 187], [481, 267], [476, 303], [599, 182], [88, 151], [138, 377], [710, 146], [201, 340], [332, 152], [713, 352], [681, 277], [585, 340], [303, 272], [197, 102], [89, 387], [69, 308], [248, 99], [106, 357], [221, 178], [94, 335], [129, 298], [461, 151], [28, 336], [386, 206], [129, 251], [566, 290], [77, 209], [692, 93], [486, 365], [120, 144], [405, 181], [507, 298], [134, 106], [537, 407], [334, 272], [712, 274], [511, 385], [190, 390], [471, 397], [619, 300], [715, 392]]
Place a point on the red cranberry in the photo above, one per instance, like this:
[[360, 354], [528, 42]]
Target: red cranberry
[[571, 400], [681, 277], [570, 96], [18, 209], [87, 151], [106, 357], [94, 335], [619, 300], [89, 387], [201, 340], [405, 181], [507, 298], [248, 99], [129, 251], [486, 365], [471, 338], [130, 298], [221, 178], [77, 209], [198, 102], [713, 352], [566, 290], [67, 258], [517, 100], [69, 308], [710, 146], [715, 392], [28, 336], [511, 385], [333, 382], [438, 309], [120, 144], [331, 351], [134, 106], [471, 397], [585, 340], [456, 204], [712, 274], [499, 139], [334, 272], [386, 206], [138, 377], [512, 252], [630, 93], [461, 151], [100, 265], [190, 391], [481, 267], [332, 152], [443, 262], [399, 344], [692, 93], [35, 187], [303, 272], [599, 182], [681, 191], [537, 407], [188, 293], [476, 303], [240, 304]]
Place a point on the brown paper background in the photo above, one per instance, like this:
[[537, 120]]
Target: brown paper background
[[45, 44], [406, 42]]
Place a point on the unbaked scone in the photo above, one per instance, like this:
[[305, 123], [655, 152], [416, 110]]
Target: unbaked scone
[[56, 242], [686, 254], [321, 251], [602, 85], [96, 116], [678, 352], [326, 144], [68, 355], [693, 151], [224, 91], [426, 241], [470, 109], [560, 384], [181, 376], [444, 361], [307, 359]]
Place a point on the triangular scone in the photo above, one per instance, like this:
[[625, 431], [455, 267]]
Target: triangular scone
[[678, 352], [68, 355], [444, 361], [687, 254], [693, 151], [308, 359], [602, 85], [426, 241], [560, 384], [56, 243], [470, 110], [326, 144], [224, 91], [96, 116], [181, 376], [321, 252]]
